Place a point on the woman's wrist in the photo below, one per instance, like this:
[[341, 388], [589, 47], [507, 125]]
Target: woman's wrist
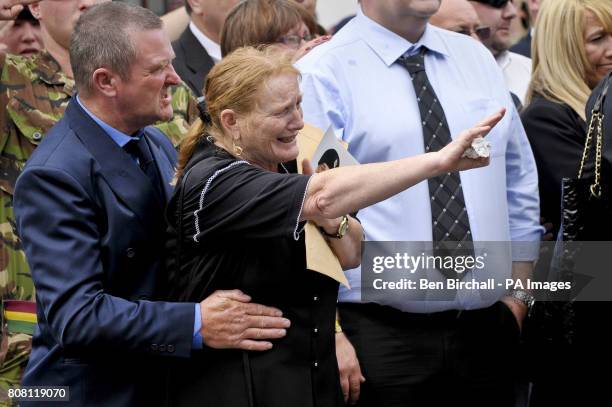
[[330, 226], [436, 163]]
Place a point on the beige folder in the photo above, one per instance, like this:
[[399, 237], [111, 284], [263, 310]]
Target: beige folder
[[319, 256]]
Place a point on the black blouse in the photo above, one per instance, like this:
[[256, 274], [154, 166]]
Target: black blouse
[[240, 230], [557, 135]]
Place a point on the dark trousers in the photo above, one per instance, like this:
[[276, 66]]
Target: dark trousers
[[449, 358]]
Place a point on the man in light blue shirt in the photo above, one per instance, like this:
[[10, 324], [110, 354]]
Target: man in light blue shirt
[[407, 346]]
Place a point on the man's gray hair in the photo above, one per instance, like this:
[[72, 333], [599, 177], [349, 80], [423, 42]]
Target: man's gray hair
[[101, 38]]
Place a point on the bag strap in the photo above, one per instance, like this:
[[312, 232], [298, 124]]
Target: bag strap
[[602, 96], [595, 129]]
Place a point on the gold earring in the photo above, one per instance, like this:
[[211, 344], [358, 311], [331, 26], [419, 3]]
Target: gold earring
[[237, 149]]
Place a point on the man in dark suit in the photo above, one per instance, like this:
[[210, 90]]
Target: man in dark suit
[[89, 209], [523, 47], [197, 49]]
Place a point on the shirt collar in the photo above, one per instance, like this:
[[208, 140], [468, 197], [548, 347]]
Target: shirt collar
[[503, 59], [213, 49], [121, 139], [390, 46]]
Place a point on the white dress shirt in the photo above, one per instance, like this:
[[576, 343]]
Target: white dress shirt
[[212, 48], [517, 72]]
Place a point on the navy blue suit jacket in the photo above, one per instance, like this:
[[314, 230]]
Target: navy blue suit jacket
[[523, 47], [93, 231]]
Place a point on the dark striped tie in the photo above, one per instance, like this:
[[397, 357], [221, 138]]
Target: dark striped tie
[[139, 150], [450, 222]]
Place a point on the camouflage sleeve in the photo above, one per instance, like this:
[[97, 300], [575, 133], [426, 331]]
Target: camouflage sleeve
[[15, 278], [185, 113]]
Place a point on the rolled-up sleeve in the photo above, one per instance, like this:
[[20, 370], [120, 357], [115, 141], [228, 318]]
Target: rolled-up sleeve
[[522, 194]]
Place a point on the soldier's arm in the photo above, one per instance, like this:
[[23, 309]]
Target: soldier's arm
[[5, 27], [9, 9], [185, 112]]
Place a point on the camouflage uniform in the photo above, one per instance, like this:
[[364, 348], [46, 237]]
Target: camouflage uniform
[[33, 96]]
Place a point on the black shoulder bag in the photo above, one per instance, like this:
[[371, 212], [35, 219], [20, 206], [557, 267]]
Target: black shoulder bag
[[587, 204]]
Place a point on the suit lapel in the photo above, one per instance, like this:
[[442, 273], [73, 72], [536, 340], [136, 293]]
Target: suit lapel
[[164, 167], [196, 58], [124, 177]]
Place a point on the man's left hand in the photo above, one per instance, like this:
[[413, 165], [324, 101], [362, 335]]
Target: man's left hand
[[351, 377], [518, 309]]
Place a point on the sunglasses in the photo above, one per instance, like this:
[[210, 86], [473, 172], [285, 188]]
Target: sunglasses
[[294, 41], [483, 33]]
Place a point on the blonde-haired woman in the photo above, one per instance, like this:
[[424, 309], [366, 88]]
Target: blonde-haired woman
[[237, 215], [572, 52]]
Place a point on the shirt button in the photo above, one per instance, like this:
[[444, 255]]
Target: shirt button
[[36, 136], [130, 253], [315, 364], [154, 347], [315, 330], [170, 348], [315, 298]]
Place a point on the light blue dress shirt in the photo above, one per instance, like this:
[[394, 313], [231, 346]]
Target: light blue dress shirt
[[122, 139], [353, 83]]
